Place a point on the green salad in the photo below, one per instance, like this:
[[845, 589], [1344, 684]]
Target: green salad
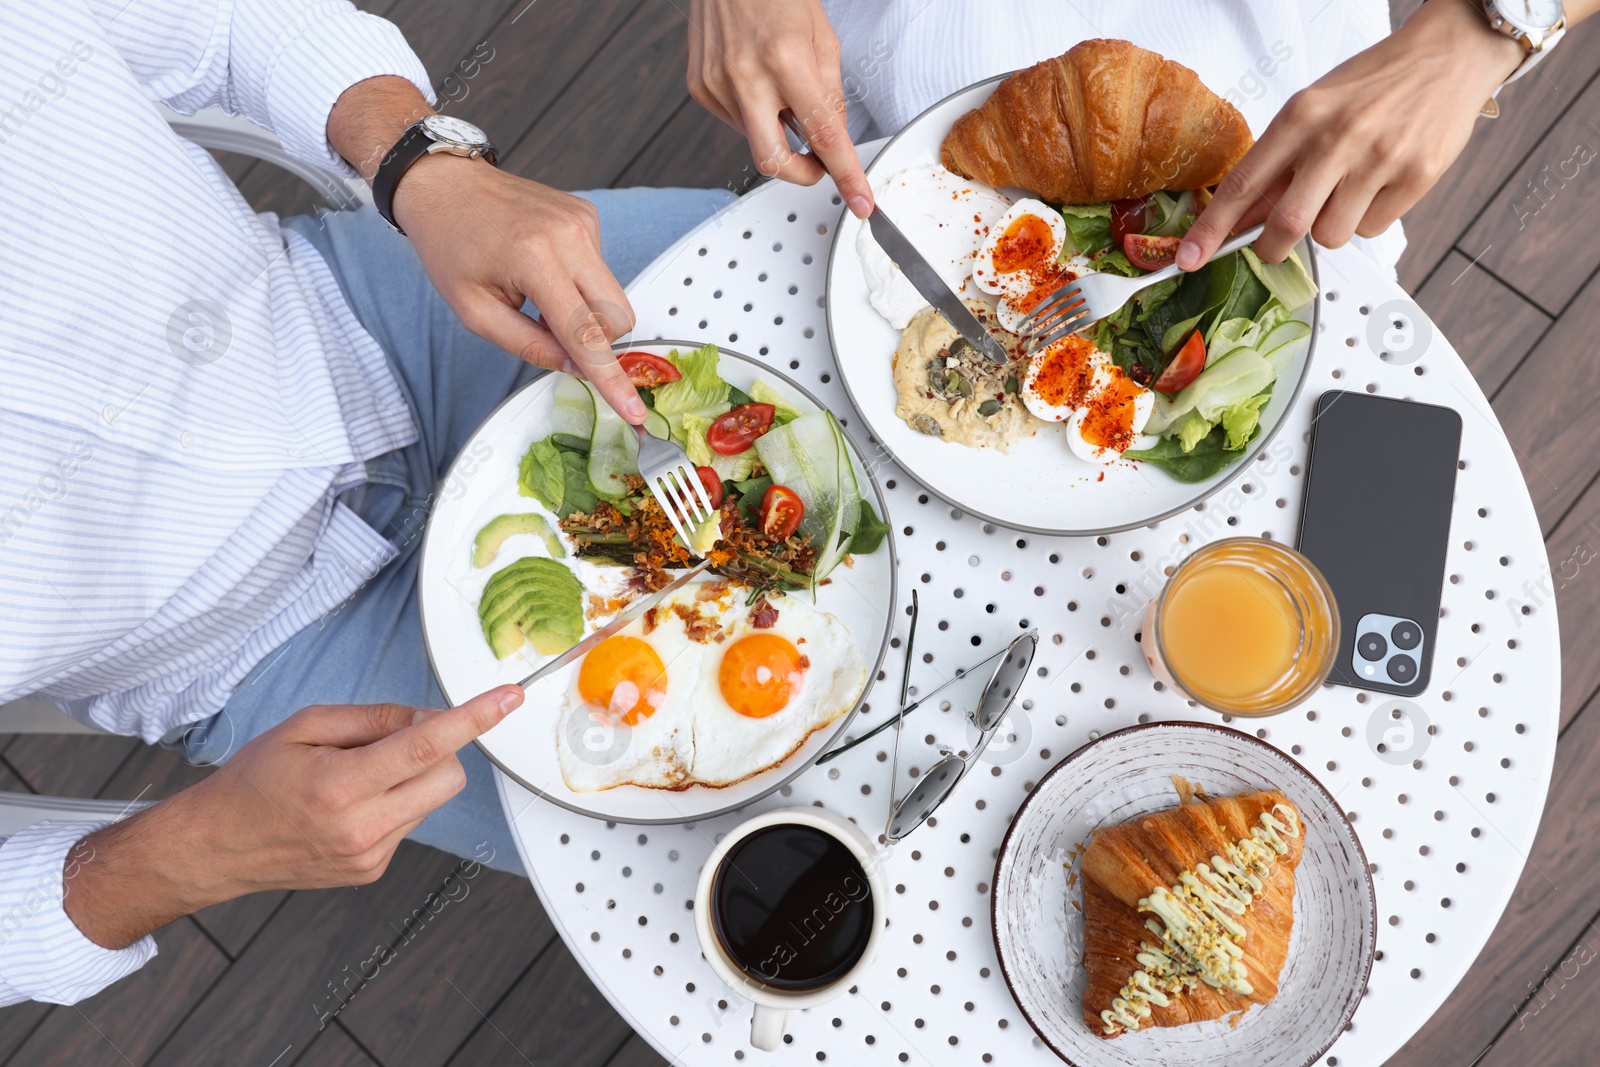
[[1210, 344]]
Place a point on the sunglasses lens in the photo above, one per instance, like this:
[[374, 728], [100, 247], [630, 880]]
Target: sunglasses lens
[[924, 797], [1007, 681]]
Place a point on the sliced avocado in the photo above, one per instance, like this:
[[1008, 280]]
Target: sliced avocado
[[534, 598], [702, 537], [494, 534]]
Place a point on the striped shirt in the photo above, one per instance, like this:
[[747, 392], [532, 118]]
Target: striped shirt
[[183, 391]]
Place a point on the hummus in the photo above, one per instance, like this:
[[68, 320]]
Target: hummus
[[959, 397]]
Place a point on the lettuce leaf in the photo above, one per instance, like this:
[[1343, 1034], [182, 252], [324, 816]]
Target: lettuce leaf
[[1088, 229], [1192, 430], [1289, 281], [701, 391], [1115, 262], [734, 468], [762, 393], [694, 439], [1240, 420], [1206, 459]]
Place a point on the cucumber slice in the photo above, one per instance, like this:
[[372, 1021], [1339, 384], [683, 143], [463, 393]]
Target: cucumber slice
[[809, 455], [613, 449], [573, 414], [568, 443]]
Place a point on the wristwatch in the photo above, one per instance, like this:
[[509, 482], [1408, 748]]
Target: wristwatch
[[431, 133], [1535, 25]]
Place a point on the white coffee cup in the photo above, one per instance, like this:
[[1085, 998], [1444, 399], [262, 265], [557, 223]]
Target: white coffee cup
[[772, 1006]]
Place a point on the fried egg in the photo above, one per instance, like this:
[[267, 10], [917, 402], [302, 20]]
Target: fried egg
[[1019, 260], [1071, 381], [627, 716], [696, 693], [768, 689]]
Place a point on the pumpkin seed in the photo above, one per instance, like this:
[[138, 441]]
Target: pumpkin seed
[[927, 424], [1012, 385], [988, 407]]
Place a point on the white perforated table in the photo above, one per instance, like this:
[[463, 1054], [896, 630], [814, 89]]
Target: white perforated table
[[1446, 811]]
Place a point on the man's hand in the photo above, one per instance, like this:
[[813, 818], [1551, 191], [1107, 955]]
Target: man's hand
[[750, 59], [490, 240], [321, 800], [1355, 150]]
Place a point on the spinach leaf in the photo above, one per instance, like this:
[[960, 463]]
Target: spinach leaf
[[750, 491], [1207, 458], [870, 532], [579, 494]]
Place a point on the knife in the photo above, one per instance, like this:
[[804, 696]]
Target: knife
[[636, 609], [923, 278]]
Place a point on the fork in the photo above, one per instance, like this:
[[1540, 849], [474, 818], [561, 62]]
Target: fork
[[675, 484], [1092, 297]]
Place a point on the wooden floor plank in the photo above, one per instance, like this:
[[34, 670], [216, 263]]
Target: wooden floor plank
[[1528, 107], [270, 998], [1547, 409], [1555, 899], [235, 923], [554, 1015], [152, 772], [534, 54], [335, 1048], [480, 946], [596, 128], [1560, 1026], [1573, 583], [1490, 324], [68, 765], [124, 1023], [694, 149], [1530, 234]]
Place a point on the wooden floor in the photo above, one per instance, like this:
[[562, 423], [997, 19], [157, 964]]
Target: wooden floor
[[591, 94]]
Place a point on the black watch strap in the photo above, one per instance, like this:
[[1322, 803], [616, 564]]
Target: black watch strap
[[412, 146]]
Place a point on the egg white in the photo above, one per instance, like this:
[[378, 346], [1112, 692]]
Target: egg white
[[1143, 404], [730, 747], [1041, 407], [598, 751]]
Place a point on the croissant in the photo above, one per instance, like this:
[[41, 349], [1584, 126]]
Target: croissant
[[1105, 121], [1128, 865]]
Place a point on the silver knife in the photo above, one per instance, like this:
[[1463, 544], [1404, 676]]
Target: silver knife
[[633, 611], [923, 278]]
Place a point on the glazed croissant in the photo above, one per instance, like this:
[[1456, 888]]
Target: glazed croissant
[[1105, 121], [1126, 864]]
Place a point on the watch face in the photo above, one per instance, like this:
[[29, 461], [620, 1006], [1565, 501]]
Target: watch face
[[454, 130], [1537, 15]]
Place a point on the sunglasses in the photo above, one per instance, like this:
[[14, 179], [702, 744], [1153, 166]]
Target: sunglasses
[[998, 695]]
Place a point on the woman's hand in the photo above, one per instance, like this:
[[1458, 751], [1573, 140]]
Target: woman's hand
[[750, 59], [1355, 150], [321, 800]]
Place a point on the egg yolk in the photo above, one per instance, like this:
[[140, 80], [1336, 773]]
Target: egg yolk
[[1108, 422], [625, 676], [759, 674], [1065, 372]]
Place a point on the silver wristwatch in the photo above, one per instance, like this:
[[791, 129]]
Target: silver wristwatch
[[1535, 25], [431, 133]]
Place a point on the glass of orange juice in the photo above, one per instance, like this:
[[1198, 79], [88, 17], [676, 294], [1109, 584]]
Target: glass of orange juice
[[1244, 626]]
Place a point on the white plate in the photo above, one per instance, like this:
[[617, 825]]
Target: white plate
[[1039, 486], [482, 483], [1121, 776]]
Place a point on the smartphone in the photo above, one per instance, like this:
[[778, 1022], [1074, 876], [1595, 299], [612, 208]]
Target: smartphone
[[1380, 483]]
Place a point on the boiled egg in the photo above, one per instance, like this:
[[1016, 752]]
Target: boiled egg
[[1111, 418], [1061, 375], [770, 688], [1019, 261]]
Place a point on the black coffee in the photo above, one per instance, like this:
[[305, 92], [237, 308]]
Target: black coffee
[[792, 907]]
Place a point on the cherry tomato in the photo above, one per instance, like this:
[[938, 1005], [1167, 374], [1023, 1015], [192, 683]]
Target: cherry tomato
[[781, 512], [1127, 216], [1150, 253], [1185, 366], [737, 430], [713, 483], [646, 371]]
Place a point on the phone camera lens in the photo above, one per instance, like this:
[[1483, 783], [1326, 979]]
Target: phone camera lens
[[1372, 646], [1406, 634], [1403, 669]]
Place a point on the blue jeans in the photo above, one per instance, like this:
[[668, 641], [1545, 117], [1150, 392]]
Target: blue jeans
[[370, 649]]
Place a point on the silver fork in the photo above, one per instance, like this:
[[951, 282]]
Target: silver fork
[[1092, 297], [672, 479]]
